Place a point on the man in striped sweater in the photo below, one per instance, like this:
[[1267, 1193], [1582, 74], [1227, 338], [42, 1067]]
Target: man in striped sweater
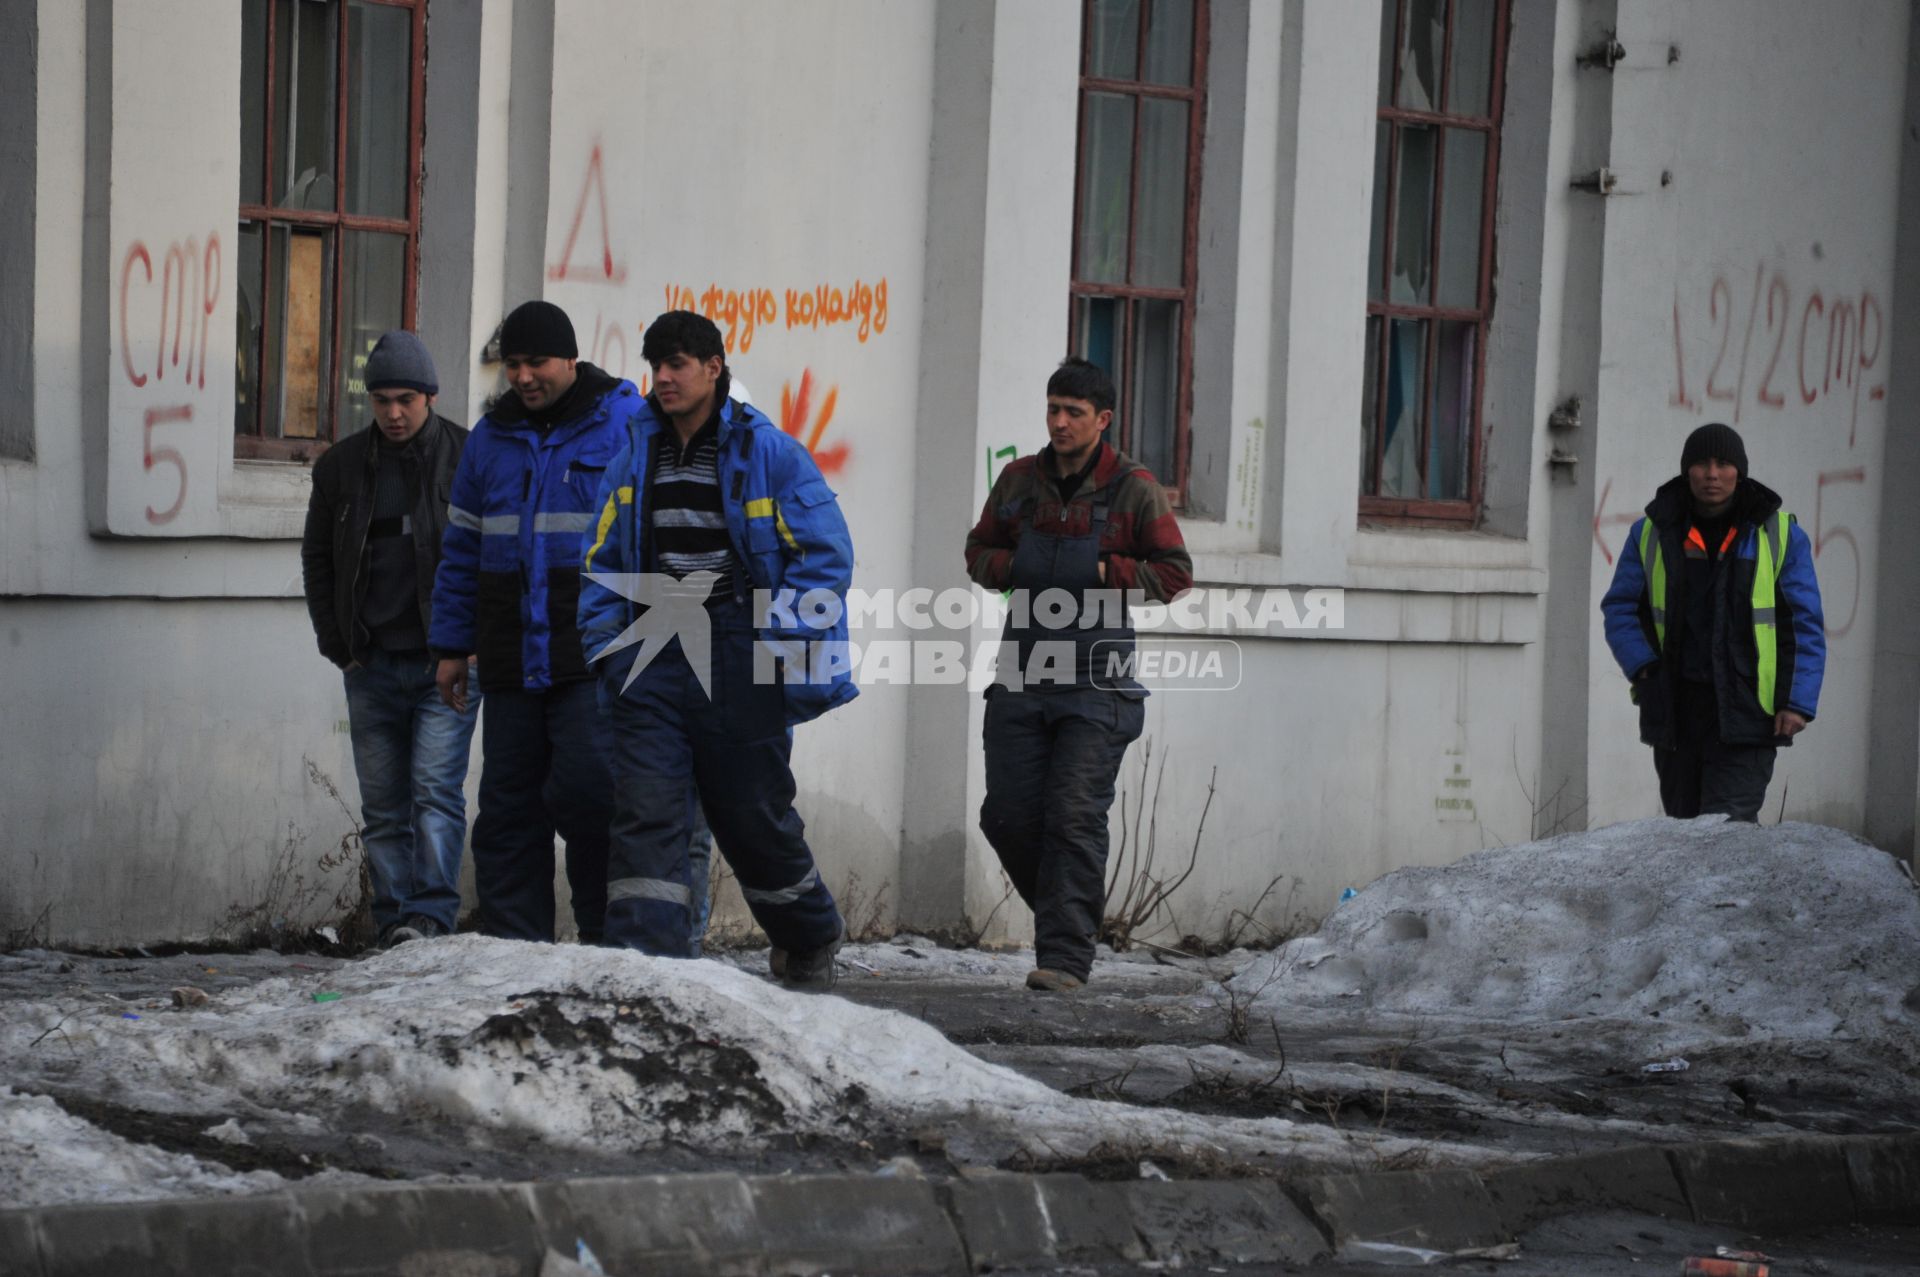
[[1080, 517]]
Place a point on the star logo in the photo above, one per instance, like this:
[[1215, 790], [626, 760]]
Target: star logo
[[670, 608]]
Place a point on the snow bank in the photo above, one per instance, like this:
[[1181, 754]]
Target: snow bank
[[495, 1041], [1781, 931], [49, 1157]]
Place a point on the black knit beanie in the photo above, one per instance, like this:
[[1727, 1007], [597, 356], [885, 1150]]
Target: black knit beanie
[[538, 328], [1716, 441]]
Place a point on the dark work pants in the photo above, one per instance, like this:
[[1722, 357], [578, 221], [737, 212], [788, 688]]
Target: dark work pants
[[543, 771], [1052, 758], [735, 747], [1702, 776]]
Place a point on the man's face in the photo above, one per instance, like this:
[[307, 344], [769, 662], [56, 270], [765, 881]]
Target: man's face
[[1073, 426], [681, 382], [539, 380], [400, 413], [1712, 482]]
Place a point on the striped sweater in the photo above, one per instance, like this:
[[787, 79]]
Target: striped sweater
[[1142, 547]]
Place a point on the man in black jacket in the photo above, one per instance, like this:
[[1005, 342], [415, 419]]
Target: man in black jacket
[[371, 549]]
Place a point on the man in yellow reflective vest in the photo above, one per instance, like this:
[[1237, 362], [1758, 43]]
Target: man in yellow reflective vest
[[1714, 617]]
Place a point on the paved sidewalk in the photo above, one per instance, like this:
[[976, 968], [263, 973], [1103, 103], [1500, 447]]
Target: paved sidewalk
[[899, 1225]]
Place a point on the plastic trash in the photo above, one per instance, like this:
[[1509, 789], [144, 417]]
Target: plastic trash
[[584, 1255], [1699, 1266], [1149, 1171], [326, 997], [1675, 1065], [128, 1015], [328, 934], [1348, 893], [188, 996]]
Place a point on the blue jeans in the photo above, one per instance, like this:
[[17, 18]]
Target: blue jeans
[[543, 771], [410, 753]]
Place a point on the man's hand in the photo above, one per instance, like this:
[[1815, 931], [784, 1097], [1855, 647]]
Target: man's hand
[[1103, 571], [1788, 723], [451, 679]]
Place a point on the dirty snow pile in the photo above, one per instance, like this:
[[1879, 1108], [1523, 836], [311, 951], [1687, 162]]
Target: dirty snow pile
[[1723, 930], [48, 1156], [496, 1041]]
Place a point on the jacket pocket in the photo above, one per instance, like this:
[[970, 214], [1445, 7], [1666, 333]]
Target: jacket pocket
[[498, 631]]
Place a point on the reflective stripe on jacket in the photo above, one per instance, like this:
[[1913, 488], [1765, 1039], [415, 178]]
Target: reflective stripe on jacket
[[522, 508]]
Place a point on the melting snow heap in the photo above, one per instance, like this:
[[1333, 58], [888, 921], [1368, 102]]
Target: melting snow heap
[[1741, 931]]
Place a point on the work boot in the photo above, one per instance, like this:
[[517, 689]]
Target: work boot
[[1047, 980], [809, 970], [401, 932], [426, 927]]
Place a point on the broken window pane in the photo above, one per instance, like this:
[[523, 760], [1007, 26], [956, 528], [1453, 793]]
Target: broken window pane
[[1406, 377], [303, 103], [1413, 220], [1421, 48]]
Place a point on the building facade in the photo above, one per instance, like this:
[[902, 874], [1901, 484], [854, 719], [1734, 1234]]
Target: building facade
[[1408, 300]]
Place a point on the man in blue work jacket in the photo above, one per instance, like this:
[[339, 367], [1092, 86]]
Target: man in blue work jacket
[[712, 511], [1714, 616], [507, 591]]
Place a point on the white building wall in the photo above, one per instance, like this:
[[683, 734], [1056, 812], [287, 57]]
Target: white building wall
[[1755, 289], [742, 156]]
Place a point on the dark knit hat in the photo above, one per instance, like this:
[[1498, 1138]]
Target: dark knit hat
[[400, 362], [1716, 441], [538, 328]]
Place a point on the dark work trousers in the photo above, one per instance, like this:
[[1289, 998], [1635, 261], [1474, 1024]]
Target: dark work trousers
[[543, 771], [1052, 756], [1702, 777], [736, 747], [1051, 762]]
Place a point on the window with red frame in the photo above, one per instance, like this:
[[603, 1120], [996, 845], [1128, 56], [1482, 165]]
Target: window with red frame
[[1143, 76], [1430, 264], [331, 98]]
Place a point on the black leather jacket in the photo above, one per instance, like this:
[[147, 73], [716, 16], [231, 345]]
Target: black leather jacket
[[333, 551]]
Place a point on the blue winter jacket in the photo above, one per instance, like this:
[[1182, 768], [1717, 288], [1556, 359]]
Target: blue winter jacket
[[785, 525], [1800, 627], [522, 505]]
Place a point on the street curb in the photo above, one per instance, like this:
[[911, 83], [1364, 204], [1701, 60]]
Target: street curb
[[727, 1225]]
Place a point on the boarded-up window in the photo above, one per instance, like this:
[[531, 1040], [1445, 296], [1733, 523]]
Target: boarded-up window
[[329, 210]]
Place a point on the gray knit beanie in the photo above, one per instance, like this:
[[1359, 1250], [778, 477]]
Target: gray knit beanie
[[400, 362]]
